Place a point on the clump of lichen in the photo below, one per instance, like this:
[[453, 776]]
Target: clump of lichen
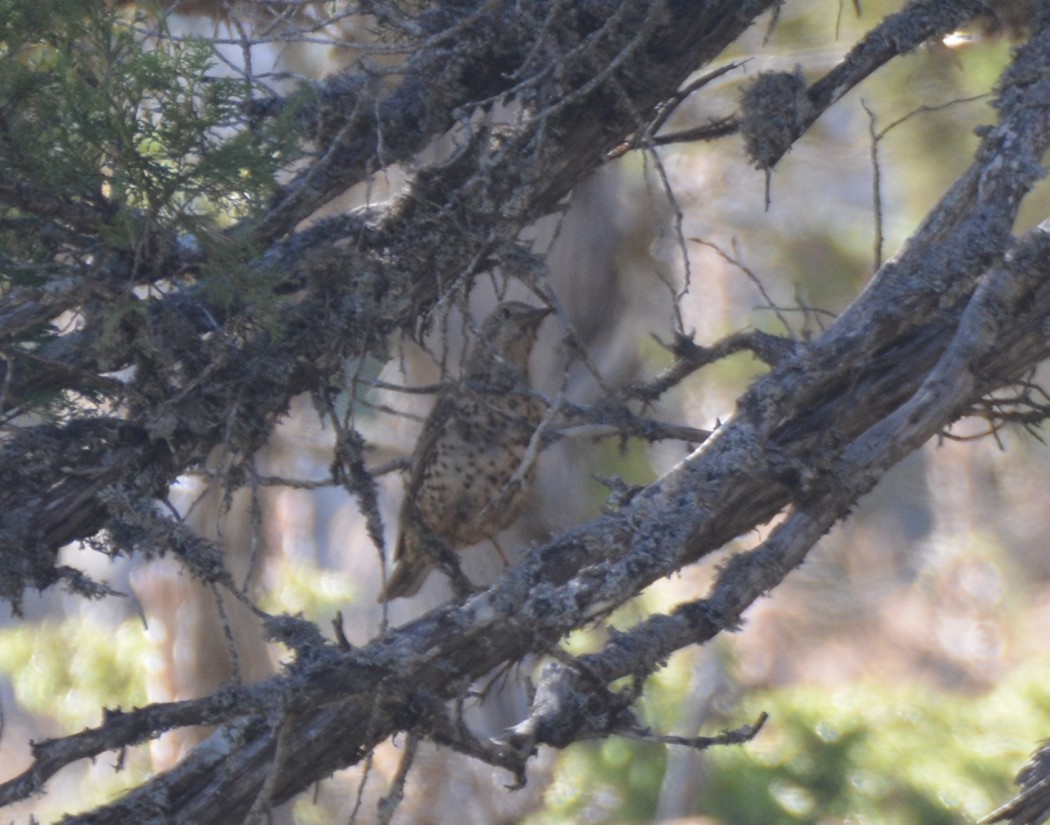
[[774, 112]]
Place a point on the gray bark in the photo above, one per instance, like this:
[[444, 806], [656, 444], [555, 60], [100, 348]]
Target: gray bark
[[961, 312]]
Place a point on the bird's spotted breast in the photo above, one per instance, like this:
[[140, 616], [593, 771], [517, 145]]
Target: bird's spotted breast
[[462, 486]]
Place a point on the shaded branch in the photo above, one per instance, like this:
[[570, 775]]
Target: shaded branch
[[1031, 806], [689, 357], [589, 570], [347, 283], [959, 313]]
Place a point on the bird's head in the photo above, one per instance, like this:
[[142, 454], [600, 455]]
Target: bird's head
[[508, 334]]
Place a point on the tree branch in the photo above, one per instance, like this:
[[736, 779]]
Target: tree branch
[[960, 312]]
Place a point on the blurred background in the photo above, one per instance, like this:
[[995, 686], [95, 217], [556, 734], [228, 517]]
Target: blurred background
[[904, 666]]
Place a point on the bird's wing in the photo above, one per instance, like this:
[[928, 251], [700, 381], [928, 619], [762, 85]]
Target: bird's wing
[[433, 428]]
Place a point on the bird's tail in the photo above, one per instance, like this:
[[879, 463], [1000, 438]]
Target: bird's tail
[[405, 579]]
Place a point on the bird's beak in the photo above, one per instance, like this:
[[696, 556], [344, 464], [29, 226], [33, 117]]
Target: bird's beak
[[539, 313]]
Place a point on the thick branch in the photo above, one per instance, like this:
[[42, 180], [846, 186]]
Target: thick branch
[[457, 220], [688, 513], [471, 58], [950, 319]]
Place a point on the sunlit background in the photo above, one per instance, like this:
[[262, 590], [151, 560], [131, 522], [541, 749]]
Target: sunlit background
[[904, 666]]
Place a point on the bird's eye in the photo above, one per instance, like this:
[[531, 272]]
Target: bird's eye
[[504, 313]]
